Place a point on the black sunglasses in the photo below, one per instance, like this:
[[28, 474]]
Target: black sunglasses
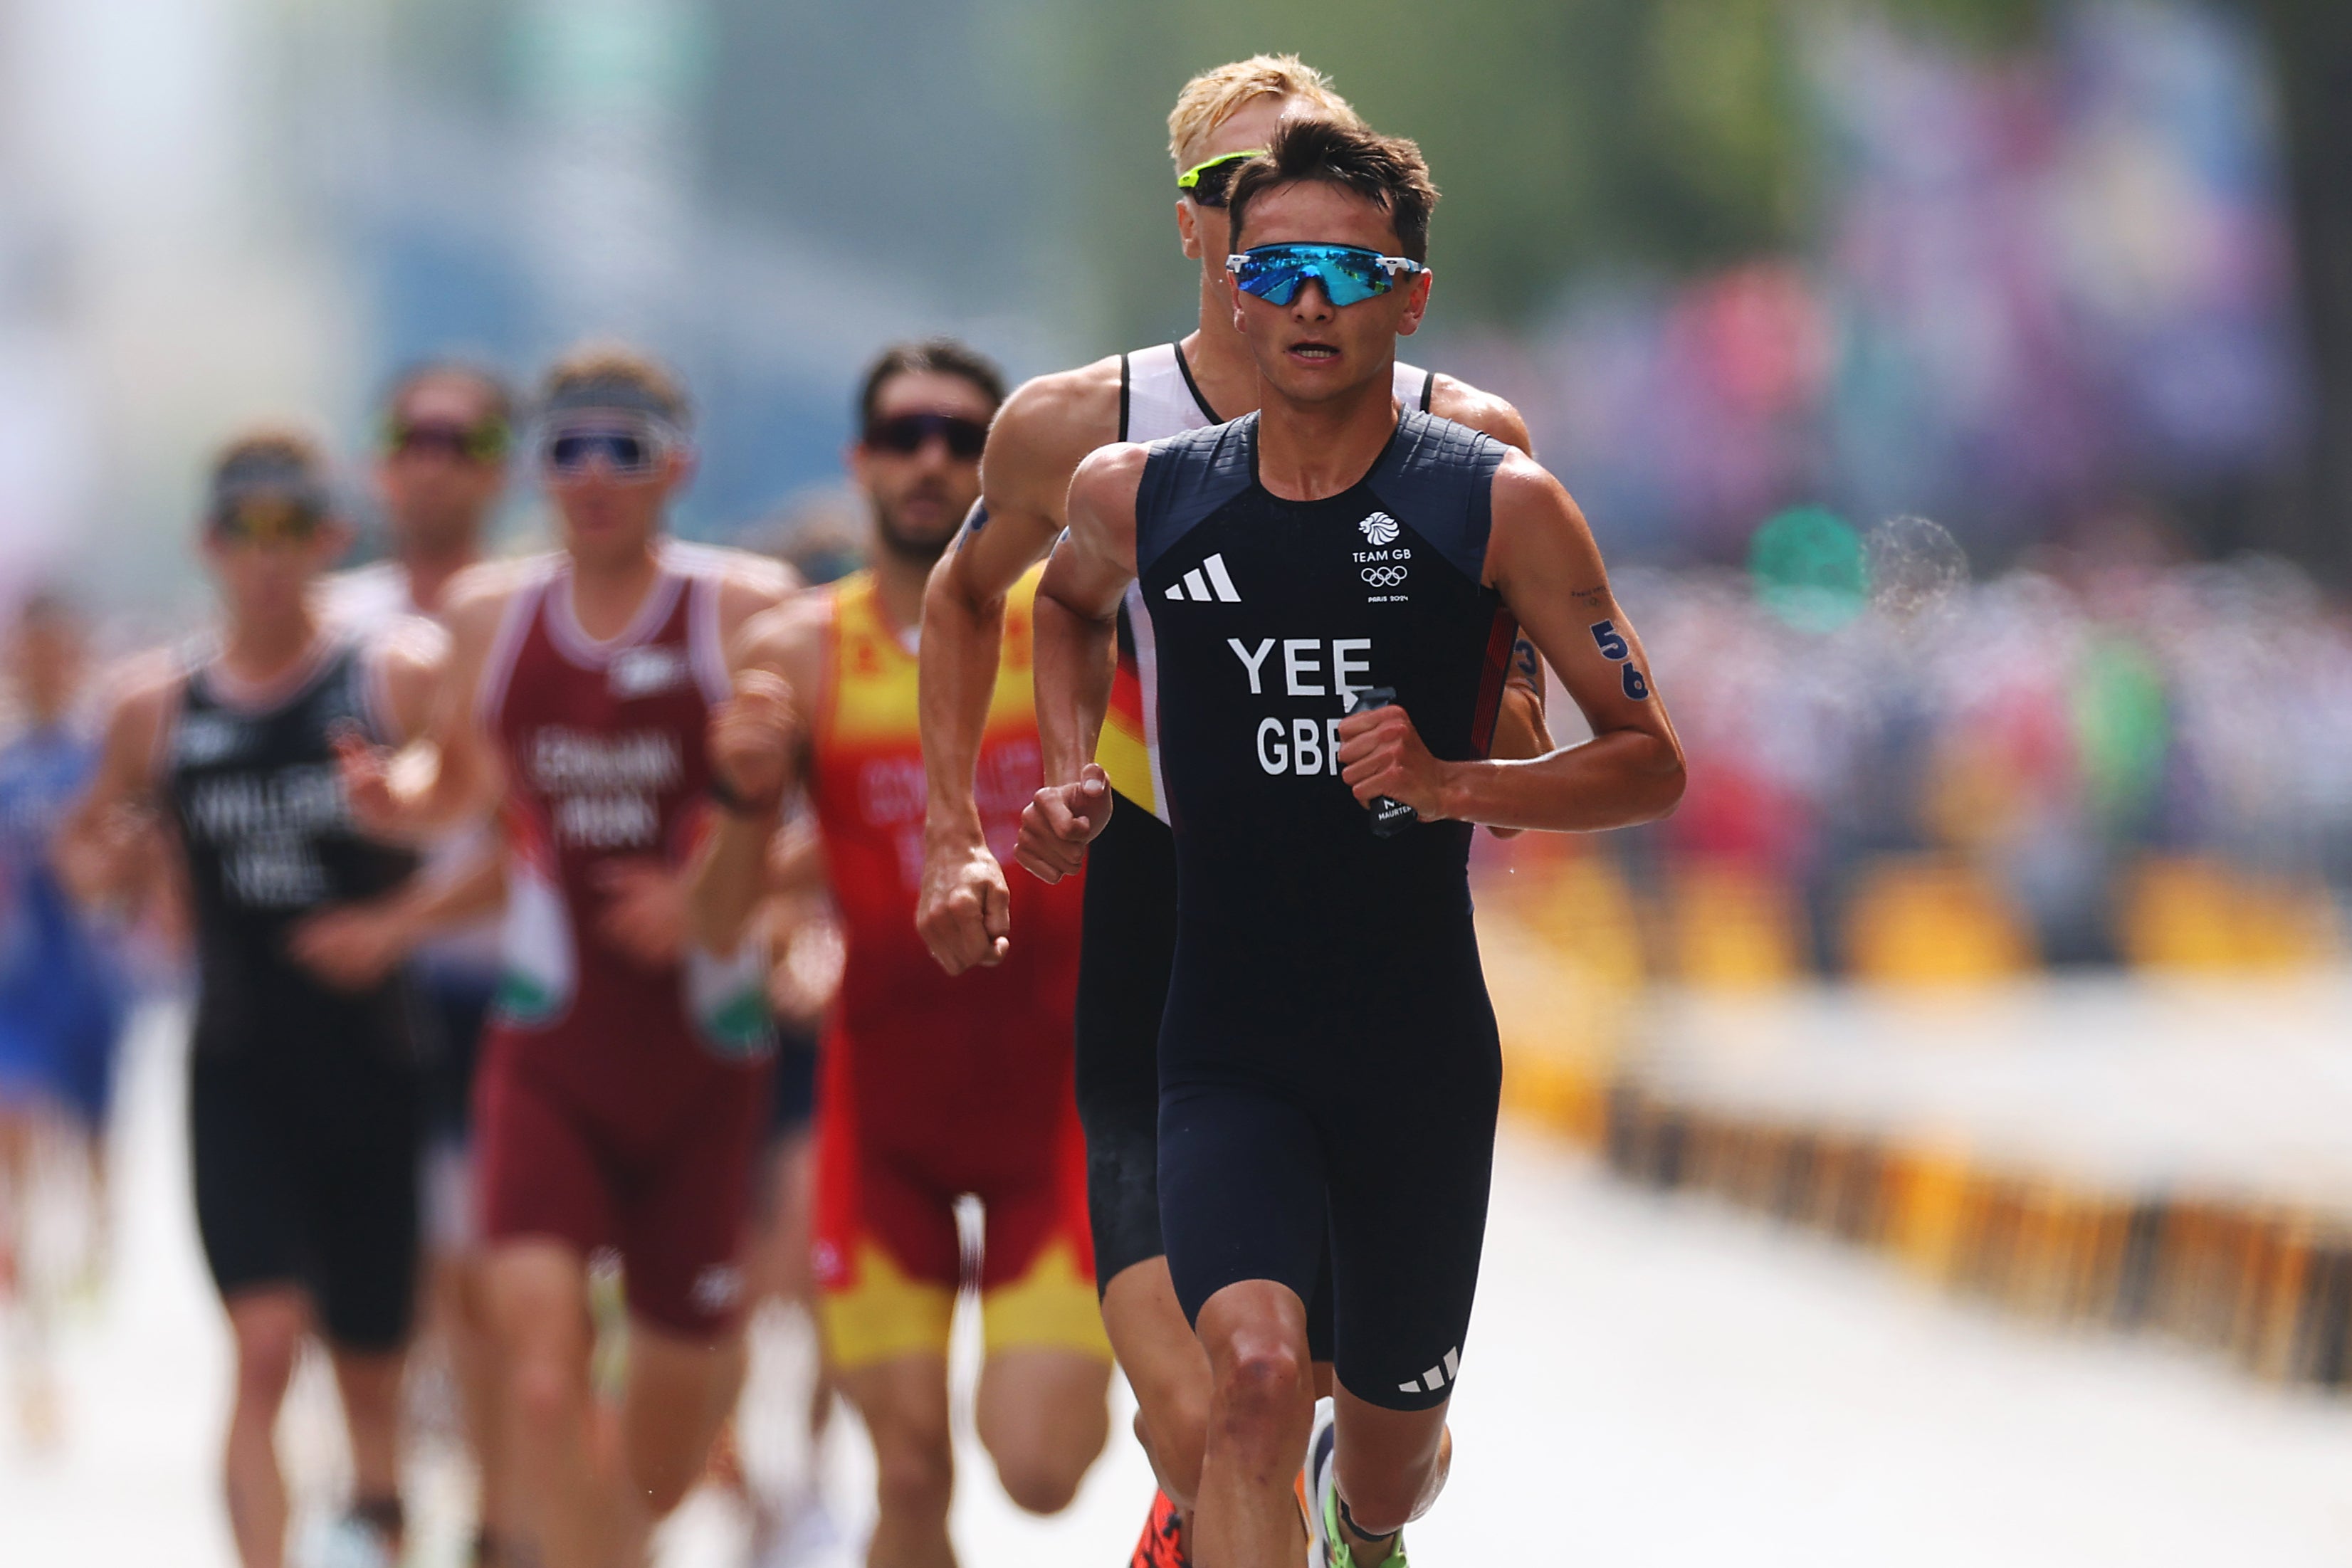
[[905, 434], [1208, 183]]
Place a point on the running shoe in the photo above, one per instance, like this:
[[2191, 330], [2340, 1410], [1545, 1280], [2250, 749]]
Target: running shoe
[[353, 1542], [1162, 1545], [1328, 1547], [798, 1532]]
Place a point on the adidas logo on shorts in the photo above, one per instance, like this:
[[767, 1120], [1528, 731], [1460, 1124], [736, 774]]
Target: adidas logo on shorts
[[1208, 580], [1434, 1380]]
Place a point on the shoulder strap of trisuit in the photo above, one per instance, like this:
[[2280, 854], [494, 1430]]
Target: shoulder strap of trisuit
[[1186, 478], [1439, 477], [1413, 387], [520, 614], [849, 612]]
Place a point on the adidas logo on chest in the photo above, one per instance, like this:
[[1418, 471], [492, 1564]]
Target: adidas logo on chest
[[1207, 582]]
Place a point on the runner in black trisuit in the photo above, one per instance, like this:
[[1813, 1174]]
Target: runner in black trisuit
[[1222, 117], [1328, 1063], [305, 1097]]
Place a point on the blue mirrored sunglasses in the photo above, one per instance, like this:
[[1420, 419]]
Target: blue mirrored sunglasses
[[1349, 273]]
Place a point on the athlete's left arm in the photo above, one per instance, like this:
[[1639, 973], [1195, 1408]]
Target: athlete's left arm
[[1541, 559], [1521, 729]]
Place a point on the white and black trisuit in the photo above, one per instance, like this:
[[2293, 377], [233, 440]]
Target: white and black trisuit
[[304, 1100], [1329, 1064], [1129, 938]]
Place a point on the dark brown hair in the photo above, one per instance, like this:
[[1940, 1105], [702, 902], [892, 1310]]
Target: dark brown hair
[[1386, 170], [938, 356]]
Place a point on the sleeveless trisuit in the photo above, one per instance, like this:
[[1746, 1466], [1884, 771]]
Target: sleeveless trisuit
[[934, 1088], [304, 1101], [1328, 1062], [618, 1104], [1131, 910]]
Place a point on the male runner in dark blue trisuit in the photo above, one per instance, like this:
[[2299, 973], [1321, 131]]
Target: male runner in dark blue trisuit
[[1328, 1062]]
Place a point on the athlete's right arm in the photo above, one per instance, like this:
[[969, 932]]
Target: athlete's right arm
[[445, 775], [1077, 629], [104, 847], [758, 754], [1039, 437], [355, 945]]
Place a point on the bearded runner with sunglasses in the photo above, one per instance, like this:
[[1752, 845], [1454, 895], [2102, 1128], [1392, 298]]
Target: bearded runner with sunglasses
[[1329, 1069], [440, 473], [304, 1096], [1221, 119], [934, 1088], [623, 1090]]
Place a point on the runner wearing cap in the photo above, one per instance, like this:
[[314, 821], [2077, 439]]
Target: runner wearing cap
[[304, 1096], [624, 1088]]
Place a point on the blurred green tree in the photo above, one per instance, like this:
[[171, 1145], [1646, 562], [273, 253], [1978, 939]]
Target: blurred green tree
[[1575, 134], [1565, 133]]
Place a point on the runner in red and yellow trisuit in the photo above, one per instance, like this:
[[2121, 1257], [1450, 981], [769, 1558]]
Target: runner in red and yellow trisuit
[[934, 1088]]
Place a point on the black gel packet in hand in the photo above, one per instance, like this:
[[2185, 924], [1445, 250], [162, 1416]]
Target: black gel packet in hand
[[1389, 818]]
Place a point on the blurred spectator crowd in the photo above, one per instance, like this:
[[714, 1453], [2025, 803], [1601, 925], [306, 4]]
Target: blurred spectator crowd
[[2096, 757]]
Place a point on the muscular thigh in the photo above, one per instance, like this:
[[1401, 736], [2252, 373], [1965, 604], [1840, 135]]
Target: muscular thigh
[[246, 1174], [1127, 948], [1240, 1190], [683, 1224], [1037, 1277], [1408, 1212], [888, 1258], [364, 1198], [544, 1172]]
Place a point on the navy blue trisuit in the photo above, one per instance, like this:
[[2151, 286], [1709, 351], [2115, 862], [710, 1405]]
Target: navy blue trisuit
[[1329, 1065]]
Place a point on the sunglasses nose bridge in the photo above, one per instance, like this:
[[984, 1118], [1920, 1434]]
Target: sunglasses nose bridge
[[1301, 303]]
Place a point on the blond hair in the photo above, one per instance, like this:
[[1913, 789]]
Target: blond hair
[[1214, 96], [604, 364]]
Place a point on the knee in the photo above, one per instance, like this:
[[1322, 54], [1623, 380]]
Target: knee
[[915, 1474], [547, 1392], [1261, 1377], [265, 1361], [1038, 1483]]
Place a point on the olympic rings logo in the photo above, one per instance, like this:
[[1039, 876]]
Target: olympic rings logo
[[1384, 576]]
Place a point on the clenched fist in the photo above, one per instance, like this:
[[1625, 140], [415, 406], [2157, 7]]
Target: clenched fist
[[1380, 753], [752, 734], [965, 912], [1060, 821], [366, 770]]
